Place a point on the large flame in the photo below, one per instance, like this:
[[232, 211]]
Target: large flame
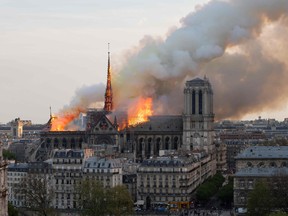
[[61, 122], [139, 111]]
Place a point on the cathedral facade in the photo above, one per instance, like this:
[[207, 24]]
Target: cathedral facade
[[191, 131]]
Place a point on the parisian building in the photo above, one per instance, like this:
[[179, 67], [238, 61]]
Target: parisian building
[[67, 165], [221, 156], [16, 173], [171, 180], [108, 171], [254, 163]]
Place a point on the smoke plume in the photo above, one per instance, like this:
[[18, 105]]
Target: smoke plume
[[228, 41], [240, 45]]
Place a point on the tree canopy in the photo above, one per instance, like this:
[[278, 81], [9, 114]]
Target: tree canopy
[[37, 193], [269, 195], [97, 200], [8, 155], [225, 194], [209, 187], [259, 200]]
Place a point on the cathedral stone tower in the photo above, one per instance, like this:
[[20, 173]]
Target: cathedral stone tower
[[108, 106], [198, 115]]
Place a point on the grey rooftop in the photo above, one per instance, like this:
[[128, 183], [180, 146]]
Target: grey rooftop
[[261, 172], [259, 152]]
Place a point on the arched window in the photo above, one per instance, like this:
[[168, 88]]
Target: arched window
[[167, 140], [158, 147], [200, 102], [48, 142], [56, 143], [175, 143], [73, 143], [64, 143], [249, 164], [193, 102], [284, 164], [272, 164], [141, 140], [149, 147], [261, 164], [80, 143]]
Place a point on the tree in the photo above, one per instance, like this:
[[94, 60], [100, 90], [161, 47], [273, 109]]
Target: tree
[[96, 200], [278, 214], [8, 155], [12, 211], [259, 200], [279, 191], [93, 198], [226, 193], [209, 187], [37, 193], [120, 201]]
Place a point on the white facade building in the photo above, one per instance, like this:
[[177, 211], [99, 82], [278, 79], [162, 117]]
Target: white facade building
[[16, 173], [107, 171], [67, 172]]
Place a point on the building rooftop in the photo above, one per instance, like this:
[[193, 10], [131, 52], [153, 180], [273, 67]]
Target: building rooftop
[[170, 161], [102, 163], [68, 153], [18, 167], [259, 152], [161, 123], [261, 172]]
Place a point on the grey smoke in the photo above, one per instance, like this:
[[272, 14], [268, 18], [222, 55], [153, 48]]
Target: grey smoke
[[250, 79], [244, 81], [85, 97]]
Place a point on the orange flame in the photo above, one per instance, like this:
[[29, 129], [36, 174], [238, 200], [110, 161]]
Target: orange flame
[[140, 111], [60, 123]]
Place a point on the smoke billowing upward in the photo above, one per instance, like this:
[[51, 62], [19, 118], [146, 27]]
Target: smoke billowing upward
[[84, 98], [224, 40], [240, 45]]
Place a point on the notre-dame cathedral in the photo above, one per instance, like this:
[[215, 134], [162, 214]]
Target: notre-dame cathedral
[[190, 131]]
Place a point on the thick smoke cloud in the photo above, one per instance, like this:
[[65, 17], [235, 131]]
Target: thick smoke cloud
[[240, 45], [223, 40], [85, 97]]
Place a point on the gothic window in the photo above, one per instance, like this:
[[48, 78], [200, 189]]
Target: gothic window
[[273, 164], [193, 102], [80, 143], [167, 140], [149, 146], [103, 124], [175, 143], [249, 164], [56, 143], [73, 143], [158, 143], [64, 143], [261, 164], [200, 102], [141, 140]]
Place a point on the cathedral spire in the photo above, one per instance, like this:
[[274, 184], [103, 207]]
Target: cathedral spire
[[108, 106]]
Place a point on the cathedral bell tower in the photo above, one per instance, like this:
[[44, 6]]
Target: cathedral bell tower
[[198, 116], [108, 106]]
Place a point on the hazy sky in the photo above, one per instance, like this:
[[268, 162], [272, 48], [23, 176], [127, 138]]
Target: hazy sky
[[49, 49]]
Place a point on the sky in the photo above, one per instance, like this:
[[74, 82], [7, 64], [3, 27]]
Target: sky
[[52, 49], [49, 49]]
